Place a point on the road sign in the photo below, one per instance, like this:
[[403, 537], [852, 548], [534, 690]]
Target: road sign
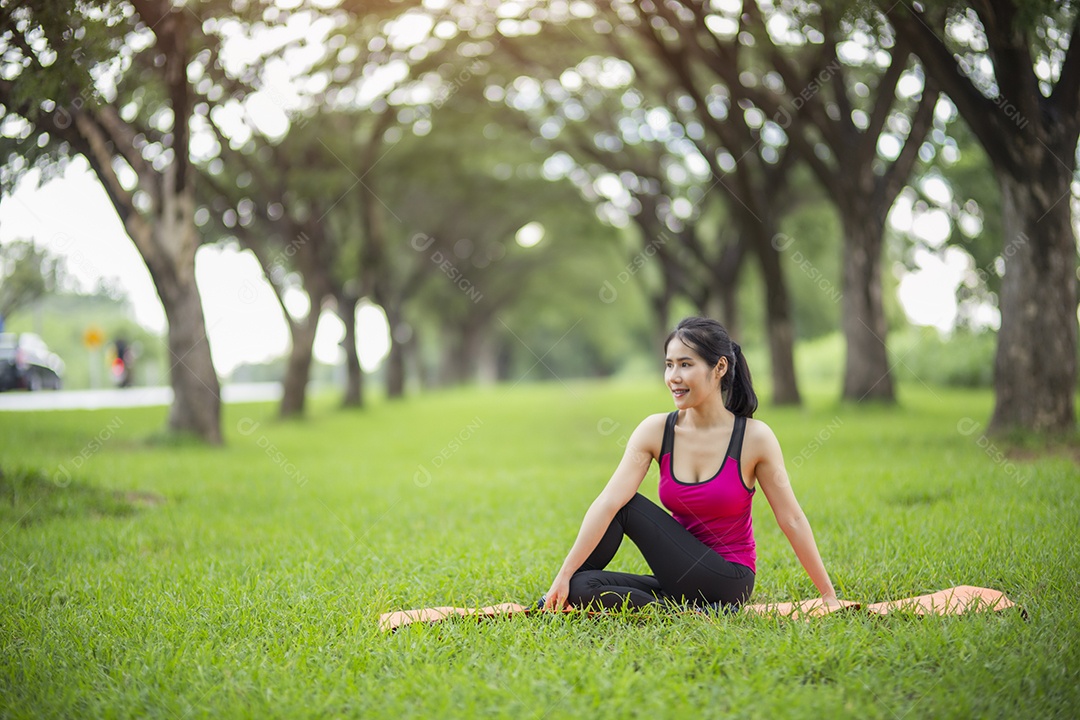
[[93, 337]]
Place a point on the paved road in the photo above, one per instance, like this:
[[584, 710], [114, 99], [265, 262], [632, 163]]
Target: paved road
[[127, 397]]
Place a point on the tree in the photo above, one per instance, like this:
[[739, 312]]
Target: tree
[[748, 159], [959, 184], [454, 252], [647, 136], [606, 145], [291, 202], [26, 273], [1013, 72], [113, 83], [834, 114], [287, 248]]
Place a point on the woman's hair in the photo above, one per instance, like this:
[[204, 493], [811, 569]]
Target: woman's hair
[[711, 341]]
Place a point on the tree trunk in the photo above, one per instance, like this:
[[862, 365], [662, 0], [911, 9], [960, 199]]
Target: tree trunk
[[471, 349], [486, 358], [1030, 137], [166, 238], [723, 302], [452, 359], [660, 303], [1035, 363], [866, 368], [778, 323], [414, 361], [725, 307], [354, 374], [395, 371], [196, 405], [400, 337], [298, 368]]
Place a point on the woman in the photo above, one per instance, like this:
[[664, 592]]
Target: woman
[[704, 552]]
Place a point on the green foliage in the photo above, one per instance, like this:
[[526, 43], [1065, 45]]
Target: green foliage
[[965, 359], [255, 588], [26, 273], [458, 181], [972, 178], [918, 356], [274, 371], [465, 168], [811, 262], [819, 363]]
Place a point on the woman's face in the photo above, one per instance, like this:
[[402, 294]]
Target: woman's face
[[689, 378]]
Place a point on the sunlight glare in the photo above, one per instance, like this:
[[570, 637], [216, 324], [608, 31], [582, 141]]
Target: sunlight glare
[[530, 234]]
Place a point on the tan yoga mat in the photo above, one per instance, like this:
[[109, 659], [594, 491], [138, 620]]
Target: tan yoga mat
[[952, 601]]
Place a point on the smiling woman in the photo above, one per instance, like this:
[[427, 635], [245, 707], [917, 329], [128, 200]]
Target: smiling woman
[[703, 553]]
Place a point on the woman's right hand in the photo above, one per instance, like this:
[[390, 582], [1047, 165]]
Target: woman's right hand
[[555, 597]]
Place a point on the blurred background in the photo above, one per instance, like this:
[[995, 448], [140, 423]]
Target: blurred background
[[392, 197]]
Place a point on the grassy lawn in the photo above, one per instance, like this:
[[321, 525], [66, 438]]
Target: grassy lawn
[[154, 579]]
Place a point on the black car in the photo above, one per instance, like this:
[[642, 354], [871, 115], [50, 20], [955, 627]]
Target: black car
[[26, 363]]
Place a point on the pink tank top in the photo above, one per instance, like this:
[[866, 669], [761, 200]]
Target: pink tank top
[[715, 511]]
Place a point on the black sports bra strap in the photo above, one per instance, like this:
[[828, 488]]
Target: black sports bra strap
[[669, 433], [737, 436]]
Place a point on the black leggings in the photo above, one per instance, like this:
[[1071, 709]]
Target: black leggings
[[685, 570]]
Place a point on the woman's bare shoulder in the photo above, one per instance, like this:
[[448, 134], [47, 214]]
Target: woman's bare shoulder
[[760, 436], [649, 434], [655, 420], [758, 428]]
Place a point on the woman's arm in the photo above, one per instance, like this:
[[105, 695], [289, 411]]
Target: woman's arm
[[642, 447], [773, 479]]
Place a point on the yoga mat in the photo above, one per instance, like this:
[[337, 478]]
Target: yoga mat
[[951, 601]]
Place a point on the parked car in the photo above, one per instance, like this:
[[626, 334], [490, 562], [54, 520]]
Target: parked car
[[27, 363]]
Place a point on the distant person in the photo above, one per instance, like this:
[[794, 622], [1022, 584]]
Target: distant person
[[703, 553], [122, 364]]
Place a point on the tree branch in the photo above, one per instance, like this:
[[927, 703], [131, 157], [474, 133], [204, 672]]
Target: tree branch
[[800, 140], [896, 176], [1010, 54], [179, 91], [95, 149], [797, 87], [1066, 95], [979, 112], [123, 141], [829, 30], [883, 103], [151, 13]]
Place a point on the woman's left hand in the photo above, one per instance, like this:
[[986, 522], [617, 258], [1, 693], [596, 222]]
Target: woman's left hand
[[822, 606], [555, 597]]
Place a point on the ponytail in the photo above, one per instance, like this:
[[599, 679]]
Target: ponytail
[[711, 341], [740, 397]]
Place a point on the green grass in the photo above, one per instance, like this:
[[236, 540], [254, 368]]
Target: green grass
[[149, 579]]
